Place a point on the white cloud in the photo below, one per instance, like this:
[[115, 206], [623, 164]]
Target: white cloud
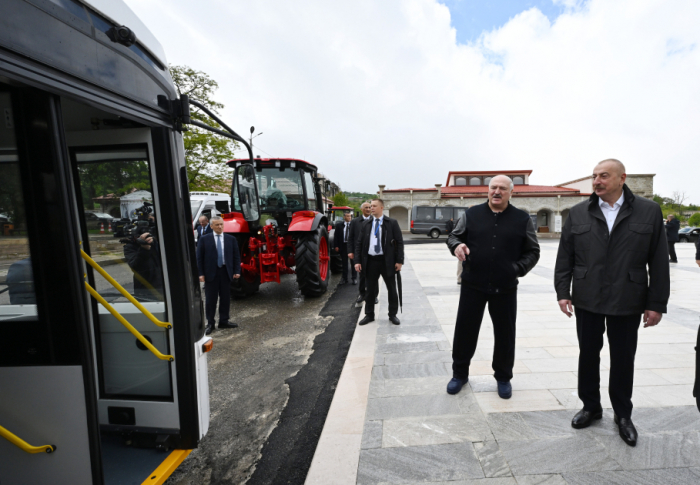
[[381, 93]]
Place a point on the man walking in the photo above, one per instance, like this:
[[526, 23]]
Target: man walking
[[498, 244], [607, 244], [449, 226], [672, 226], [203, 227], [341, 239], [381, 254], [353, 247], [219, 263]]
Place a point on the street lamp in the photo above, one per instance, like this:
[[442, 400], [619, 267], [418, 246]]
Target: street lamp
[[252, 129]]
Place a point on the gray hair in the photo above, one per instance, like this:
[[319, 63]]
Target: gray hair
[[216, 218], [618, 164], [200, 217], [507, 177], [363, 204]]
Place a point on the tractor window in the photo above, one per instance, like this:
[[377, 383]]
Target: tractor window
[[310, 192], [281, 191]]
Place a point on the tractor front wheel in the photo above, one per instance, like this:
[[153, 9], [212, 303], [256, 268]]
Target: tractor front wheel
[[312, 258]]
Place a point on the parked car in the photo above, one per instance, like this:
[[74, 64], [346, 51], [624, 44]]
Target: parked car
[[431, 220], [94, 219], [688, 234]]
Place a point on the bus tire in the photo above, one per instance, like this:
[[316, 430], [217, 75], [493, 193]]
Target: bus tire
[[312, 258], [435, 234]]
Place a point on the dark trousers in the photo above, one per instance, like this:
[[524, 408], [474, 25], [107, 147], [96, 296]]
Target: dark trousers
[[347, 262], [622, 339], [672, 250], [218, 289], [376, 266], [503, 308]]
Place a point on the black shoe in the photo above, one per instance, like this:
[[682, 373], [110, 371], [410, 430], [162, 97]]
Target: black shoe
[[584, 418], [672, 261], [228, 325], [209, 329], [394, 320], [354, 281], [376, 301], [505, 390], [360, 299], [342, 282], [366, 320], [455, 385], [628, 432]]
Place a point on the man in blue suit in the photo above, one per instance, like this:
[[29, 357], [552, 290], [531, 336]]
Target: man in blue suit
[[219, 263], [203, 228]]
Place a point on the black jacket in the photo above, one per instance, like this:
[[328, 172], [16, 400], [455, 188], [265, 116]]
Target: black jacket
[[392, 243], [338, 236], [502, 247], [609, 271], [672, 230], [354, 236], [449, 226], [208, 258], [147, 268]]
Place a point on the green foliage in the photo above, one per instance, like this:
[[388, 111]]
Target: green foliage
[[11, 203], [118, 178], [694, 220], [658, 199], [340, 199], [206, 153]]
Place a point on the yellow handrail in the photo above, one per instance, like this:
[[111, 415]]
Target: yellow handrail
[[23, 445], [128, 326], [121, 290]]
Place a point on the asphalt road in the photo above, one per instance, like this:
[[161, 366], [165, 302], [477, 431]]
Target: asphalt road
[[256, 430]]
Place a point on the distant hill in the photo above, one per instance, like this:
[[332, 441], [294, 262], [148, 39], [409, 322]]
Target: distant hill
[[359, 196]]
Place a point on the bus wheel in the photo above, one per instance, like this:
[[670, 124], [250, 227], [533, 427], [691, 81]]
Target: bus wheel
[[435, 234], [312, 259]]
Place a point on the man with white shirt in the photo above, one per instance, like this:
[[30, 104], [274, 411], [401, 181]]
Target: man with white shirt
[[353, 246], [606, 246], [219, 262], [342, 243]]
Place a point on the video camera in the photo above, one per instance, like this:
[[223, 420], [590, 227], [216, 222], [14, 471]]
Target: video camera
[[143, 220]]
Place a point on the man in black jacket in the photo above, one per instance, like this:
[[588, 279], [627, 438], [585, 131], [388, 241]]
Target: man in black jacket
[[381, 254], [342, 242], [672, 226], [606, 246], [498, 244], [353, 247], [142, 254]]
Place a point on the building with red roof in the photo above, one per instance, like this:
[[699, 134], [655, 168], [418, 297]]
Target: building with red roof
[[548, 205]]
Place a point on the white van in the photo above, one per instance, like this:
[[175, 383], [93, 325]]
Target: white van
[[208, 204]]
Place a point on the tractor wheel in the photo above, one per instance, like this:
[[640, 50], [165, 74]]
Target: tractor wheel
[[248, 283], [336, 263], [312, 262]]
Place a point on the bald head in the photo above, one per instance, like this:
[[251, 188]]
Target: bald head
[[502, 179]]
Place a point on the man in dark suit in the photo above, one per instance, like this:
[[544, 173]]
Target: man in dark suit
[[672, 226], [353, 247], [203, 227], [341, 239], [613, 249], [381, 254], [219, 263]]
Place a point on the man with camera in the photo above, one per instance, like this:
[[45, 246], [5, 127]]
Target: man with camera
[[142, 254]]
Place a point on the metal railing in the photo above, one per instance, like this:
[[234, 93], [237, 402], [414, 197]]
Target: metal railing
[[23, 445]]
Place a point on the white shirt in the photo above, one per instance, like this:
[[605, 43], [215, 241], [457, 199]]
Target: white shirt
[[611, 213], [346, 229], [373, 239], [220, 244]]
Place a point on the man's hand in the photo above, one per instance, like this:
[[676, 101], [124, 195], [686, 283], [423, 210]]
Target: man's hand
[[358, 267], [148, 239], [337, 250], [651, 318], [462, 252], [566, 307], [698, 261], [236, 276], [201, 279], [398, 266], [352, 256]]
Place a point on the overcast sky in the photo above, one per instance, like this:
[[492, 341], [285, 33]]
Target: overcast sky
[[399, 92]]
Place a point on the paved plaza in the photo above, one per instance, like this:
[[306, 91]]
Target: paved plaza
[[392, 422]]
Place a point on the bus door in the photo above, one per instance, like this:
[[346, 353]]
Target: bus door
[[48, 417]]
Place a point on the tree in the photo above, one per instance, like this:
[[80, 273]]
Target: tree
[[678, 199], [340, 200], [206, 153], [694, 219]]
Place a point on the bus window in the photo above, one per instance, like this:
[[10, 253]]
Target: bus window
[[425, 213], [17, 297], [459, 212]]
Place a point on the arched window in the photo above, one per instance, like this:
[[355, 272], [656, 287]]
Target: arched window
[[460, 181], [518, 180], [475, 181], [487, 180]]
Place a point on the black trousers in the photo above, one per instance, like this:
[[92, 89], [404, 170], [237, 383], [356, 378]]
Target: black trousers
[[672, 250], [347, 262], [503, 308], [218, 289], [622, 339], [376, 267]]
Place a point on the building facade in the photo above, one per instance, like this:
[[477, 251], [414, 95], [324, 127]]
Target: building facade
[[468, 188]]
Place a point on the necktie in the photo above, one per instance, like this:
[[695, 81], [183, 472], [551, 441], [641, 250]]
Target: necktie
[[220, 259], [377, 245], [345, 234]]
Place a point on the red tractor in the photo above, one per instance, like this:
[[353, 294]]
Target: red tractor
[[278, 220]]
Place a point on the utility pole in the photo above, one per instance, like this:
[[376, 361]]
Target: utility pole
[[252, 129]]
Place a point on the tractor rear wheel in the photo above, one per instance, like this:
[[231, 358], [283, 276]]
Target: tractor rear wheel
[[312, 259]]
